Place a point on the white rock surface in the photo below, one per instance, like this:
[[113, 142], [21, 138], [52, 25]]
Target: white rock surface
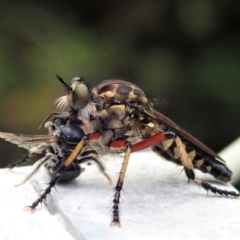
[[157, 203]]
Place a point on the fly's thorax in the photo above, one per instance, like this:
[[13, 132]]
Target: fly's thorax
[[112, 117], [127, 122], [119, 91]]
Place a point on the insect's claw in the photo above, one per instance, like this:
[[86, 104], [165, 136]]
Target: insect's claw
[[30, 209], [19, 184], [112, 224], [82, 170]]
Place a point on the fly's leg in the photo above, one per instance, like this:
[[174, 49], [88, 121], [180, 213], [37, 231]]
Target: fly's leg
[[46, 119], [92, 155], [21, 161], [43, 196], [28, 157], [118, 188], [59, 173], [188, 168], [37, 167], [209, 187], [159, 137]]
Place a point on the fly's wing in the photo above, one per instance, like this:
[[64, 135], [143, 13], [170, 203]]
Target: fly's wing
[[154, 114], [25, 141]]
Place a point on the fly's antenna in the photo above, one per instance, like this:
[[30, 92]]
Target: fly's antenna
[[64, 84]]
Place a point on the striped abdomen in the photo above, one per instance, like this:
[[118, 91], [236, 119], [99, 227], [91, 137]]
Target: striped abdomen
[[199, 159]]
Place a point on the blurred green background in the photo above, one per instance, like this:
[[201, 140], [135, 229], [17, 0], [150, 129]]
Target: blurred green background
[[184, 53]]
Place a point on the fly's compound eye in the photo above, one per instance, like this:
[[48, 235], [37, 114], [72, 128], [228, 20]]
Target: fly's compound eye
[[76, 79], [80, 93]]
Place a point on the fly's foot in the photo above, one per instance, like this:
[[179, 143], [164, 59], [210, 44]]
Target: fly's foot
[[19, 184], [31, 209], [115, 223]]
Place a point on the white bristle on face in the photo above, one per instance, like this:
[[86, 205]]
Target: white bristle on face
[[62, 103]]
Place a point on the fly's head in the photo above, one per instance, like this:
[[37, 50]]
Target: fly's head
[[78, 95]]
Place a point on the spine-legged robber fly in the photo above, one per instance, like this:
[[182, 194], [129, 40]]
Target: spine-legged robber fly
[[120, 110]]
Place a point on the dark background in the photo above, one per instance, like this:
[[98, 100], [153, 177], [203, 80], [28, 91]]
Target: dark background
[[184, 53]]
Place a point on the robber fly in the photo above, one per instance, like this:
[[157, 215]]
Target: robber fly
[[120, 110]]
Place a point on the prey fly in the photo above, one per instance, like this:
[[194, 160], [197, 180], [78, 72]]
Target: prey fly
[[56, 146]]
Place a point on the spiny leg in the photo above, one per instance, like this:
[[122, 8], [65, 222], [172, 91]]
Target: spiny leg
[[146, 143], [46, 191], [41, 148], [209, 187], [60, 171], [21, 161], [185, 160], [37, 167], [118, 188], [188, 167]]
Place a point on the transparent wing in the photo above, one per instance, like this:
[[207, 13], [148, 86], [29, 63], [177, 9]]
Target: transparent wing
[[181, 132], [26, 141]]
